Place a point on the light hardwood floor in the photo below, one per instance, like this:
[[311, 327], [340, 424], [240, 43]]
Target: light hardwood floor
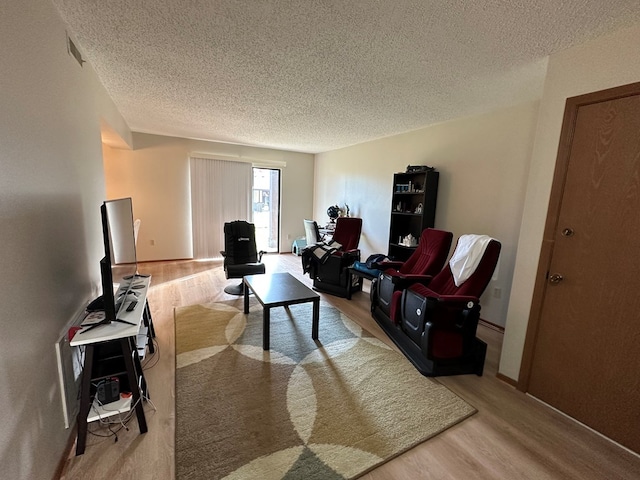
[[512, 436]]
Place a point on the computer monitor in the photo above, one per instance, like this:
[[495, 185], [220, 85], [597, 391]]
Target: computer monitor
[[119, 237]]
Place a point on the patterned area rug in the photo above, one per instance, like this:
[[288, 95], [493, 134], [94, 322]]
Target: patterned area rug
[[303, 410]]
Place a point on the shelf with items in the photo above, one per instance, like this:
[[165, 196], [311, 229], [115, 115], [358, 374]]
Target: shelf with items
[[407, 213], [122, 405], [401, 246], [413, 207]]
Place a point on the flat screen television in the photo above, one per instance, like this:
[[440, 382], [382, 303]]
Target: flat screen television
[[119, 267], [120, 247], [119, 237]]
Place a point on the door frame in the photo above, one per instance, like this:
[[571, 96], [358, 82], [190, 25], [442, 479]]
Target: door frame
[[553, 212]]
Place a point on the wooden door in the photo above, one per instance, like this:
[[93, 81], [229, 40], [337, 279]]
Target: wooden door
[[585, 357]]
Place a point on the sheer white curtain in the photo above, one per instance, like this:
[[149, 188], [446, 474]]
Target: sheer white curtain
[[220, 192]]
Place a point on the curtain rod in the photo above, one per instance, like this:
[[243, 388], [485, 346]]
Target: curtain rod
[[239, 158]]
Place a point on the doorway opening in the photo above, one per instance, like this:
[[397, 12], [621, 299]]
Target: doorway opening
[[266, 208]]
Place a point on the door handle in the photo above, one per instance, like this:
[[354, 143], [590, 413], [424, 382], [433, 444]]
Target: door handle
[[555, 278]]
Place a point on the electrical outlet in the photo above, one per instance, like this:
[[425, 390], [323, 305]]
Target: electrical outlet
[[497, 292], [288, 236]]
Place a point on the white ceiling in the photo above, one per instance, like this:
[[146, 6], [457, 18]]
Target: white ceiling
[[317, 75]]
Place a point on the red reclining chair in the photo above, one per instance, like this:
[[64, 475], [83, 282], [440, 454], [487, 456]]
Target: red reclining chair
[[332, 275], [437, 322], [426, 261]]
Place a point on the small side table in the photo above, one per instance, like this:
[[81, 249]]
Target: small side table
[[360, 275]]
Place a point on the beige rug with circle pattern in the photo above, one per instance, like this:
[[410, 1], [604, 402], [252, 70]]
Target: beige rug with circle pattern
[[331, 410]]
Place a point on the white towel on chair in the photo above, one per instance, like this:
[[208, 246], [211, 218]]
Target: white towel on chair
[[466, 258]]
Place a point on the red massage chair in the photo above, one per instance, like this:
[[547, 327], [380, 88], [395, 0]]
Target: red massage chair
[[435, 324], [426, 261]]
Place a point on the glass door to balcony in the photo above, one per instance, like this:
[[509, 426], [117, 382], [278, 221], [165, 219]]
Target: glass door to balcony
[[266, 208]]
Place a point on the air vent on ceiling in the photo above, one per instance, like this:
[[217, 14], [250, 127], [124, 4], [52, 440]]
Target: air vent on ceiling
[[73, 50]]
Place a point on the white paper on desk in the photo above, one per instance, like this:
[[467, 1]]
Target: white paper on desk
[[92, 318]]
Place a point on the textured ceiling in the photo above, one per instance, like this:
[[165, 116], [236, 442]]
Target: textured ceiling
[[313, 76]]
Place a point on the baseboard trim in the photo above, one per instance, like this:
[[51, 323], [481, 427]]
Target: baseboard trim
[[185, 259], [492, 326], [71, 442], [507, 380], [602, 435]]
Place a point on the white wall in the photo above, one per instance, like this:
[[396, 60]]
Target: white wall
[[603, 63], [51, 188], [483, 163], [156, 175]]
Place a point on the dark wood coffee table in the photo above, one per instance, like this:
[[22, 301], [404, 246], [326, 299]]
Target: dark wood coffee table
[[279, 290]]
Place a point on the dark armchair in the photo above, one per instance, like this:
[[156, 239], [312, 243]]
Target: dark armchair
[[241, 256], [330, 272], [425, 262]]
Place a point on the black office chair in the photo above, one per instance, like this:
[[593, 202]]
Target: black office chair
[[241, 256]]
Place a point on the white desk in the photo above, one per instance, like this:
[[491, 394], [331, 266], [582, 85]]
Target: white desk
[[127, 337], [117, 330]]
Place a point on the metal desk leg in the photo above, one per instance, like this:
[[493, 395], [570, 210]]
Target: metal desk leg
[[316, 319], [148, 322], [246, 296], [129, 353], [85, 399], [266, 323]]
